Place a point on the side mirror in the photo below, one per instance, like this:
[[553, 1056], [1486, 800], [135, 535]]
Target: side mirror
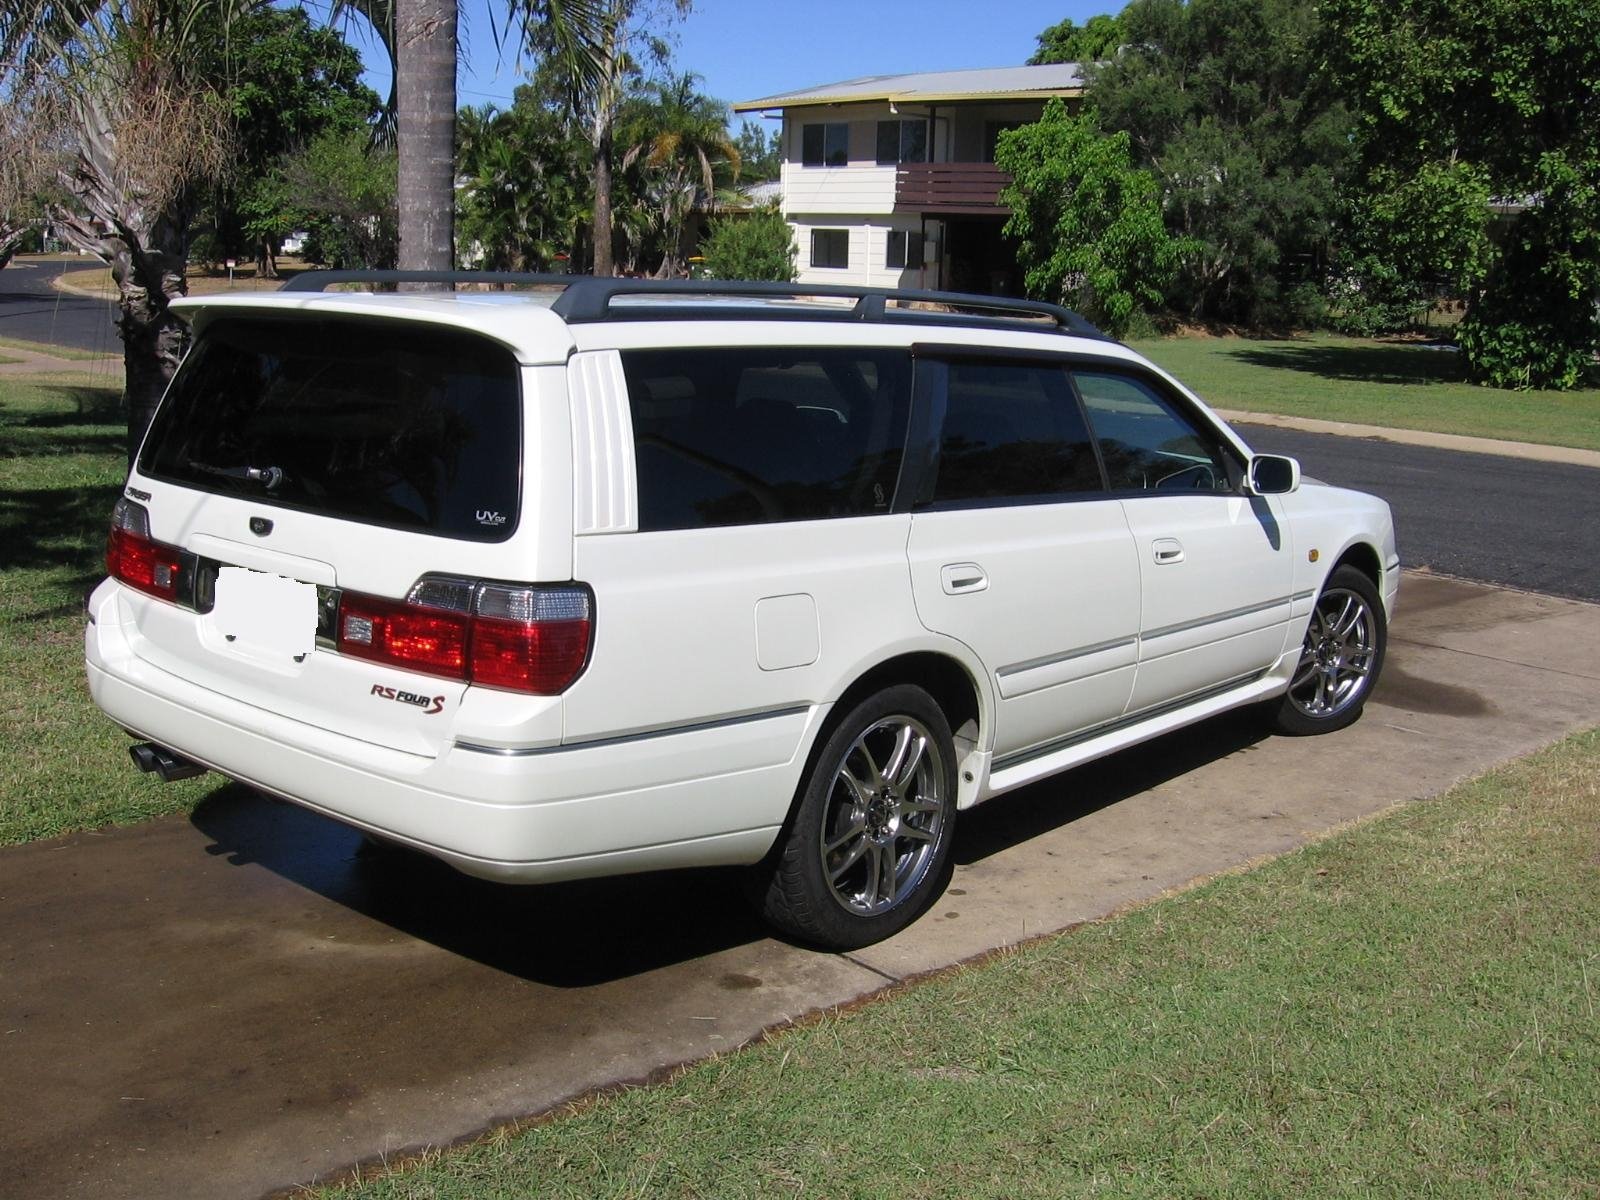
[[1272, 475]]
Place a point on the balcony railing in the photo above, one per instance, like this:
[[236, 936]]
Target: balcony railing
[[946, 187]]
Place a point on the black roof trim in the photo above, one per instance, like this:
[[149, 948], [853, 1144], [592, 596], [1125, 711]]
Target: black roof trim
[[586, 299]]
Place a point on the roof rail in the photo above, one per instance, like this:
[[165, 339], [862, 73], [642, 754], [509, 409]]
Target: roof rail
[[321, 281], [586, 299]]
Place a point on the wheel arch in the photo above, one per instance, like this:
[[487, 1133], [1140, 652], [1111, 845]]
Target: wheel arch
[[1363, 556], [942, 676]]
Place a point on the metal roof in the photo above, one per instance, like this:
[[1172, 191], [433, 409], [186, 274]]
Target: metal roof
[[927, 87]]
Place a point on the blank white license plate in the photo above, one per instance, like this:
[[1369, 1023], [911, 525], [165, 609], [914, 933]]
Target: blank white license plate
[[266, 613]]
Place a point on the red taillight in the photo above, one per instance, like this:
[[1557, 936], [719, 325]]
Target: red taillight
[[542, 658], [392, 631], [136, 559], [521, 638]]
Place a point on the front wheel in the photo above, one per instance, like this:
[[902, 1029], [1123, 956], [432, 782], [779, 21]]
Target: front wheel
[[1339, 659], [868, 847]]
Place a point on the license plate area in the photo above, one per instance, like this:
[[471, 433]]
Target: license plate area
[[264, 616]]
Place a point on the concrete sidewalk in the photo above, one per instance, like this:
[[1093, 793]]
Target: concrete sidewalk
[[1419, 437], [40, 362], [242, 1001]]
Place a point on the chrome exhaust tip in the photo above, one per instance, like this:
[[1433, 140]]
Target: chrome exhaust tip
[[151, 758]]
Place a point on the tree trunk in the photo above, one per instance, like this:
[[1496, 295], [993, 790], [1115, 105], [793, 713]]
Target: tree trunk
[[603, 263], [146, 247], [425, 88]]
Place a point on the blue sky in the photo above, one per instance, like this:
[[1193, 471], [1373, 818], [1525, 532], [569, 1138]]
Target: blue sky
[[745, 49]]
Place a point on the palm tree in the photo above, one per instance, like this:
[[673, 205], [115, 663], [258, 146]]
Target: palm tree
[[684, 151], [141, 84], [420, 36]]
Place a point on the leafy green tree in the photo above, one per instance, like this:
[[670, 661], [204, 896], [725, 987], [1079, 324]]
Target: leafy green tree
[[760, 156], [1411, 239], [1221, 101], [1510, 90], [757, 245], [1088, 223], [347, 190], [293, 80], [526, 172], [1093, 41]]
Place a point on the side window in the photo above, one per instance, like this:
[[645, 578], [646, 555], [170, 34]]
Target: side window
[[1012, 431], [826, 145], [1147, 442], [903, 249], [830, 247], [746, 436], [902, 141]]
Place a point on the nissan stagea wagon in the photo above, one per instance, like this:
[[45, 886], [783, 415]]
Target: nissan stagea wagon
[[620, 576]]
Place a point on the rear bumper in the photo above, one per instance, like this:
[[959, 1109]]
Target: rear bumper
[[712, 795]]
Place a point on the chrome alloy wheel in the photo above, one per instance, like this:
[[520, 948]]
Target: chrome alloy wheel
[[1335, 666], [884, 816]]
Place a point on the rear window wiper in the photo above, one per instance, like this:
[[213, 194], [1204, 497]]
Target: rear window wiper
[[267, 477]]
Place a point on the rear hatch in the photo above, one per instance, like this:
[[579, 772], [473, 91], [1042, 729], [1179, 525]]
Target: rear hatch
[[297, 459]]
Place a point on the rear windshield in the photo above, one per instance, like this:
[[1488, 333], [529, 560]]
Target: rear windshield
[[387, 423]]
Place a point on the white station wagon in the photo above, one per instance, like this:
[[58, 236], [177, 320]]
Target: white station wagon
[[626, 575]]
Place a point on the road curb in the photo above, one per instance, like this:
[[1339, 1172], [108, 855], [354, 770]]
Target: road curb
[[1570, 455]]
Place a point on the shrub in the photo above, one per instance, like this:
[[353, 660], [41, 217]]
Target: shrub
[[757, 246]]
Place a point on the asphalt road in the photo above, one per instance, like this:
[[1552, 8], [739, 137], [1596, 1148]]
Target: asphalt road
[[34, 311], [1506, 521]]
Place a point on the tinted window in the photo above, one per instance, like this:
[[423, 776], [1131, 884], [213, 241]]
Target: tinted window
[[830, 247], [745, 436], [902, 141], [389, 423], [1012, 431], [825, 145], [1146, 440], [903, 249]]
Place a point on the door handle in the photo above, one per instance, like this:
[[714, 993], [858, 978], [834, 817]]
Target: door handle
[[958, 578], [1168, 551]]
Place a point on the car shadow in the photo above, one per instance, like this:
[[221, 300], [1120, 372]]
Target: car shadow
[[1039, 808], [561, 934], [589, 932]]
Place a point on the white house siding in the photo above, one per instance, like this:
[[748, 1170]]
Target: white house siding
[[854, 189], [869, 246]]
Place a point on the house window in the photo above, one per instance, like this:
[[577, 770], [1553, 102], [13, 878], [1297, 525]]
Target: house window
[[830, 248], [902, 141], [905, 249], [825, 145]]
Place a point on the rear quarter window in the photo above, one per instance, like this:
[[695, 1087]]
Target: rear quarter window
[[382, 422], [744, 436]]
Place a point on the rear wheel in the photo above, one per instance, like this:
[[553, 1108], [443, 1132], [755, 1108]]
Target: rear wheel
[[1339, 659], [868, 847]]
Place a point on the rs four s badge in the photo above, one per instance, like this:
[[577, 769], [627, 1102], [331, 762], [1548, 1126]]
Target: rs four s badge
[[428, 704]]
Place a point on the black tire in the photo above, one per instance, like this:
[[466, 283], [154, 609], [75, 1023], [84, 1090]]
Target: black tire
[[1340, 658], [859, 813]]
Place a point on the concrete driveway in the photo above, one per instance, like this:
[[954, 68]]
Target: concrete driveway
[[242, 1001]]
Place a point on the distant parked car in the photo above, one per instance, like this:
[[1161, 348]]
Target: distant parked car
[[631, 575]]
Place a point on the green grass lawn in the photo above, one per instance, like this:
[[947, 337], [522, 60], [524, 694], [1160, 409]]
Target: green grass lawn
[[1372, 383], [1408, 1008], [65, 766]]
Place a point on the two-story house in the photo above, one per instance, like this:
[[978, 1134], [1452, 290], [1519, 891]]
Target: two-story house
[[890, 180]]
